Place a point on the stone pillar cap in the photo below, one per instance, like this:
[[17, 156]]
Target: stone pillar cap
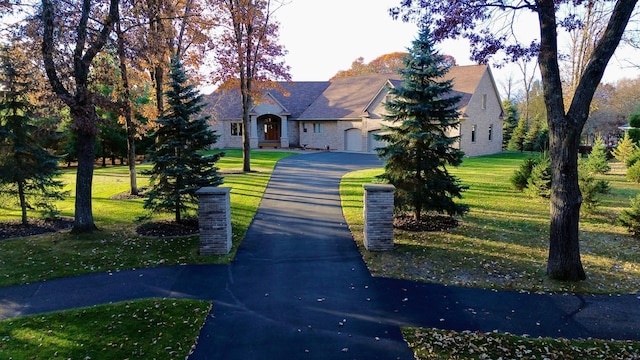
[[378, 187], [213, 190]]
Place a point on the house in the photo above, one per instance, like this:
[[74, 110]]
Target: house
[[345, 113]]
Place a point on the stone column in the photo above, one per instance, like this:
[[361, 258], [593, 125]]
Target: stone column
[[214, 219], [284, 132], [253, 138], [378, 217]]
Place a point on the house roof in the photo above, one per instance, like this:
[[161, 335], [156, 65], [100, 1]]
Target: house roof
[[341, 98], [226, 105]]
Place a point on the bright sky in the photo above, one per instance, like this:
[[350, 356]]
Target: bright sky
[[325, 36]]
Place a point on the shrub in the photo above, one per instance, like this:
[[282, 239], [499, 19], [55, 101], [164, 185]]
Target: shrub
[[625, 149], [596, 162], [520, 177], [539, 184], [630, 218], [591, 188], [633, 173]]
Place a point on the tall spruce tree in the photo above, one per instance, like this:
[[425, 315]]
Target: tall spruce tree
[[418, 148], [510, 122], [179, 167], [27, 170]]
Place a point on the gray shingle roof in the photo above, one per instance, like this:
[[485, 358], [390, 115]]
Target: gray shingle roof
[[342, 98], [226, 105]]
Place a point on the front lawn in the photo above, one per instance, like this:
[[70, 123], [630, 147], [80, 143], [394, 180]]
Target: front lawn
[[117, 246], [141, 329], [502, 243]]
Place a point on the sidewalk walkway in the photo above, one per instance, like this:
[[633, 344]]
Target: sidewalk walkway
[[298, 287]]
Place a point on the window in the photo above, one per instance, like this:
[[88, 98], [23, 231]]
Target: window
[[484, 101], [236, 129], [491, 132], [473, 133], [317, 128]]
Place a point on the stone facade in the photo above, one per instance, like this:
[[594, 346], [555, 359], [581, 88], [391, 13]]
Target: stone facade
[[214, 219], [378, 217]]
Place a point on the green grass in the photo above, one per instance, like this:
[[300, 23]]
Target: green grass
[[443, 344], [141, 329], [117, 246], [503, 241]]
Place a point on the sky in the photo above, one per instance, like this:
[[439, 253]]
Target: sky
[[325, 36]]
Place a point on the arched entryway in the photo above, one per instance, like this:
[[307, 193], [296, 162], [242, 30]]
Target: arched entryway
[[270, 131]]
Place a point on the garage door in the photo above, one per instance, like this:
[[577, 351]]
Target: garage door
[[353, 140], [373, 143]]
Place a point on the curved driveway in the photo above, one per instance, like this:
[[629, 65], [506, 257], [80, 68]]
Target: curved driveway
[[298, 287]]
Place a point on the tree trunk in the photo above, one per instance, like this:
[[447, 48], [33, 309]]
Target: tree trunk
[[84, 178], [564, 244], [23, 202], [246, 139], [126, 108]]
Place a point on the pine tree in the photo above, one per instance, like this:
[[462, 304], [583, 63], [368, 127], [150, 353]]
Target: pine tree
[[625, 149], [510, 121], [179, 167], [27, 170], [418, 148], [516, 143], [596, 162]]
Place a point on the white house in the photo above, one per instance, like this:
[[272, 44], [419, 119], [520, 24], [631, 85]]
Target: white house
[[343, 114]]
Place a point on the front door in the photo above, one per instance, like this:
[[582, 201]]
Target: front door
[[271, 130]]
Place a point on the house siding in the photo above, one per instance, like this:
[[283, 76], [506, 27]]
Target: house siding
[[482, 118]]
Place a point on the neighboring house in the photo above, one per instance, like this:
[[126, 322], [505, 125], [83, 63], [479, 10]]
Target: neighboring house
[[345, 113]]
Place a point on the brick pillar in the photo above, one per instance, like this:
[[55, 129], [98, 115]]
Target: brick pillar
[[378, 217], [214, 219]]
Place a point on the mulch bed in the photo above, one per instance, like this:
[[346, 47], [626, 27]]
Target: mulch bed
[[15, 229], [427, 223], [169, 228]]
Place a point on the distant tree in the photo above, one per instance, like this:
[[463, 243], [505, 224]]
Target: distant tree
[[249, 57], [625, 149], [510, 121], [418, 149], [179, 167], [72, 36], [591, 188], [27, 170], [384, 64], [630, 218], [634, 123], [597, 162], [516, 142]]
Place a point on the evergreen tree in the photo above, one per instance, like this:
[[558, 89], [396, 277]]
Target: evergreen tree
[[634, 123], [625, 149], [510, 121], [27, 170], [596, 162], [531, 138], [516, 141], [179, 167], [539, 184], [418, 149]]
